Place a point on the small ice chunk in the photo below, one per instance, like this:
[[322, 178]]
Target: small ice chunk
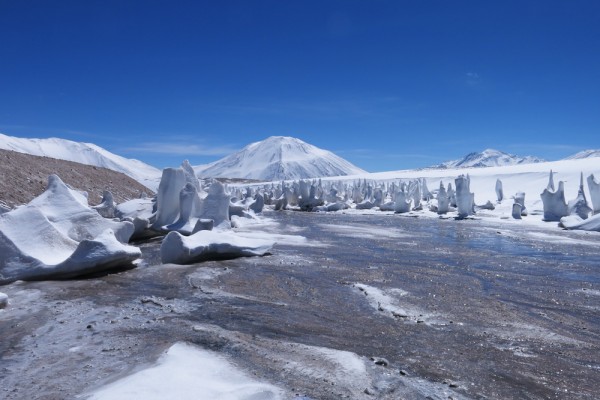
[[3, 300], [210, 245]]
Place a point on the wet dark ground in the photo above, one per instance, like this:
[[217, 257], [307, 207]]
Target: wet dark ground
[[472, 308]]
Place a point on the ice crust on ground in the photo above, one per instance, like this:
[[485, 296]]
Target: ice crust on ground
[[366, 232], [389, 302], [189, 372], [210, 245], [57, 236]]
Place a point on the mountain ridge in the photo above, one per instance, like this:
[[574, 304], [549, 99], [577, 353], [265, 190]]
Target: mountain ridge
[[24, 176], [279, 158], [584, 154], [488, 158], [83, 153]]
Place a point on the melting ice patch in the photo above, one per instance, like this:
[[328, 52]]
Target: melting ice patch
[[388, 302], [366, 232], [561, 239], [189, 372], [515, 331], [268, 229]]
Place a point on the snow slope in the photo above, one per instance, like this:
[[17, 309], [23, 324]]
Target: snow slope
[[84, 153], [488, 158], [279, 158], [584, 154]]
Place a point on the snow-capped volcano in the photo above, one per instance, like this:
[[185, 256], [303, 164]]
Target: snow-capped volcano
[[279, 158], [584, 154], [84, 153], [489, 158]]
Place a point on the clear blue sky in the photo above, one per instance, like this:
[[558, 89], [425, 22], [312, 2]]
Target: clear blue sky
[[386, 84]]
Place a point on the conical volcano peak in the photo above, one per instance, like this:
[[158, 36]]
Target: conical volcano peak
[[280, 158]]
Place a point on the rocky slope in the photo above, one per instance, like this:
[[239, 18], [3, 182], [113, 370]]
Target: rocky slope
[[84, 153], [24, 176]]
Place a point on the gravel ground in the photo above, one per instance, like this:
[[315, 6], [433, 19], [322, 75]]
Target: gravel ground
[[435, 309]]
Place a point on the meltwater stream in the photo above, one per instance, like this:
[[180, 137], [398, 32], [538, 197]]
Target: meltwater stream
[[433, 308]]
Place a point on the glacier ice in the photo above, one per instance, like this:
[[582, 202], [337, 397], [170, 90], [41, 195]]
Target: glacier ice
[[451, 195], [388, 206], [499, 191], [516, 210], [210, 245], [555, 206], [464, 198], [442, 199], [594, 188], [56, 236], [215, 205], [188, 204], [426, 193], [365, 205], [308, 197], [258, 204], [403, 200], [107, 207], [520, 199], [579, 205], [577, 223], [69, 212], [167, 197], [190, 175]]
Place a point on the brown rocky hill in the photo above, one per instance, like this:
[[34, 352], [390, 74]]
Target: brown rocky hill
[[23, 177]]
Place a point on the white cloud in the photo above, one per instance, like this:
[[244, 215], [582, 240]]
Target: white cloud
[[473, 78], [182, 149]]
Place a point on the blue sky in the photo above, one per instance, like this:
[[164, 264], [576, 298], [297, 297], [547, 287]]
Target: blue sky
[[386, 84]]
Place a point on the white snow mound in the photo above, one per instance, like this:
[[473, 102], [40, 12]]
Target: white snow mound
[[56, 236], [69, 213]]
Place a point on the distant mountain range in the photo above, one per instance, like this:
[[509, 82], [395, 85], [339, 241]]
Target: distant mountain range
[[488, 158], [275, 158], [84, 153], [279, 158], [496, 158], [584, 154]]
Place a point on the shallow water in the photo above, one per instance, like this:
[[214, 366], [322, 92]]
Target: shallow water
[[489, 313]]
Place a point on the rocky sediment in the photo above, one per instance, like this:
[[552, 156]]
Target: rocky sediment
[[24, 176]]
